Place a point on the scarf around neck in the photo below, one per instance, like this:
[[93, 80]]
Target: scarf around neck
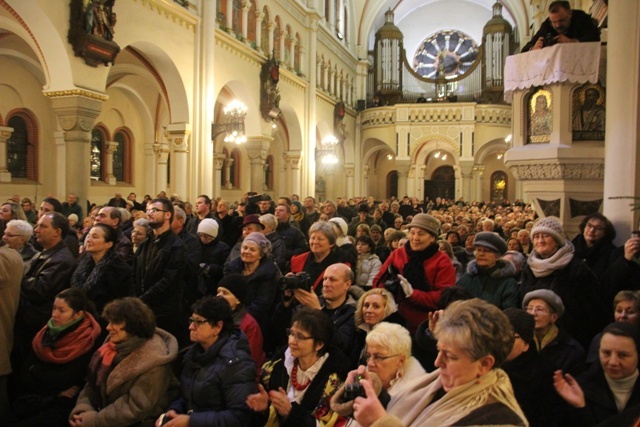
[[89, 273], [66, 346], [542, 267], [413, 270]]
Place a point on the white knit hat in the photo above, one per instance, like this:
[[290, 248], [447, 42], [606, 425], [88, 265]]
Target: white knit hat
[[340, 223], [550, 225], [208, 226]]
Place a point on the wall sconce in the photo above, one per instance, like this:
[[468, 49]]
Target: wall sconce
[[233, 126], [327, 150]]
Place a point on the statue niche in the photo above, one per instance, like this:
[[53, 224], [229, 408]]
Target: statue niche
[[91, 31]]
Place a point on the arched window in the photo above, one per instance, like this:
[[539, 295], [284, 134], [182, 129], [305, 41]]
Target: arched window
[[221, 12], [276, 39], [251, 22], [236, 18], [17, 148], [268, 172], [98, 153], [122, 156], [264, 33], [499, 181], [234, 171]]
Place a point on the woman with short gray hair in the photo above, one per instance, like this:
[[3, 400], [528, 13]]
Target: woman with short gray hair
[[16, 235]]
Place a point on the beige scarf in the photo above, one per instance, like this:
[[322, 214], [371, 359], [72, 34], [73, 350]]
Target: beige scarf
[[413, 405], [542, 267]]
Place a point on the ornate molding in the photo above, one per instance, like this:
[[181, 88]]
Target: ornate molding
[[559, 171], [173, 12], [76, 92]]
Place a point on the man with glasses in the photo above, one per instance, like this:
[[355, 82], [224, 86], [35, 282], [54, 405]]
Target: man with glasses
[[564, 26], [159, 269], [594, 244], [554, 344]]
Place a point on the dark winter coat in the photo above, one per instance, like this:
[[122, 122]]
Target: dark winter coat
[[294, 240], [598, 258], [585, 313], [213, 256], [495, 285], [215, 383], [158, 278]]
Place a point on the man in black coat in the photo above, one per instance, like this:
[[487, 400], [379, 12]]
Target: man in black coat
[[564, 26], [159, 268]]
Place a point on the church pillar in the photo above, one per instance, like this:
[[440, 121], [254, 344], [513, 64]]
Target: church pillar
[[478, 172], [402, 166], [227, 173], [229, 17], [76, 115], [349, 170], [293, 159], [466, 172], [246, 5], [5, 134], [61, 153], [178, 135], [622, 134], [257, 149], [162, 151], [111, 146], [365, 179], [259, 18], [218, 164]]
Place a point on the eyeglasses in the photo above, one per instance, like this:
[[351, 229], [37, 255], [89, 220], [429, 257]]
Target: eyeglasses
[[594, 227], [197, 322], [377, 358], [154, 210], [536, 309], [297, 335]]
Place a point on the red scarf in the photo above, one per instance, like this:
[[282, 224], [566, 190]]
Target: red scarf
[[101, 364], [70, 346]]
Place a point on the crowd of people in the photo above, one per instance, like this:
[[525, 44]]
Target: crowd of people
[[292, 312]]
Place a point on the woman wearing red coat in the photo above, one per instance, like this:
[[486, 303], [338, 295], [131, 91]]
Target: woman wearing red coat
[[423, 271]]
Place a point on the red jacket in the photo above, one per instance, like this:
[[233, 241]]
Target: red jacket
[[251, 329], [439, 272]]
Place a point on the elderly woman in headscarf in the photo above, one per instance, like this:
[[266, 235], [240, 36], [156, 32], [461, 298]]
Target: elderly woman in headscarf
[[552, 265], [468, 388]]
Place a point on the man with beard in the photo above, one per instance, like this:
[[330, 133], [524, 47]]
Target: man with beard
[[159, 269]]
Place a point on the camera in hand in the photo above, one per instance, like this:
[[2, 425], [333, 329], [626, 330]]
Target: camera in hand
[[300, 280], [353, 390], [391, 280], [549, 40]]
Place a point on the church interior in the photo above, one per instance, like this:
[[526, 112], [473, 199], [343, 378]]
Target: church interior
[[328, 98]]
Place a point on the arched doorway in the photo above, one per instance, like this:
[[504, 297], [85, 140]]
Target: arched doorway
[[442, 183], [392, 184]]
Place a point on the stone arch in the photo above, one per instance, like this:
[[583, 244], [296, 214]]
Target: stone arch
[[489, 148], [422, 147]]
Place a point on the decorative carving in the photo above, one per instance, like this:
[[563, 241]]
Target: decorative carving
[[550, 207], [583, 207], [557, 171], [91, 31], [269, 92]]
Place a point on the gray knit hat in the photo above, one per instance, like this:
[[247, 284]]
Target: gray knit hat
[[550, 297], [552, 226], [491, 241], [426, 222], [259, 239]]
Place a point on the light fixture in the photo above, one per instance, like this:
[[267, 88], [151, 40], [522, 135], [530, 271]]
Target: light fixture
[[233, 126], [327, 150], [437, 154], [444, 157], [508, 139], [389, 157], [499, 156]]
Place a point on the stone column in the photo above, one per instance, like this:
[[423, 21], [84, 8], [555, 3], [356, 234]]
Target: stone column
[[466, 172], [162, 151], [411, 181], [178, 135], [111, 146], [283, 34], [259, 17], [271, 45], [150, 168], [331, 83], [246, 5], [229, 17], [622, 133], [332, 15], [308, 171], [478, 172], [227, 173], [202, 151], [5, 134], [76, 115], [218, 164], [403, 173], [61, 153], [293, 160], [292, 53], [350, 172], [257, 149], [365, 179]]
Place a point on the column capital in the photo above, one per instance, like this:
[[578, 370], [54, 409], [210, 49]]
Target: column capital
[[5, 133], [218, 161], [258, 147], [111, 146], [178, 135], [76, 113], [162, 151], [349, 169]]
